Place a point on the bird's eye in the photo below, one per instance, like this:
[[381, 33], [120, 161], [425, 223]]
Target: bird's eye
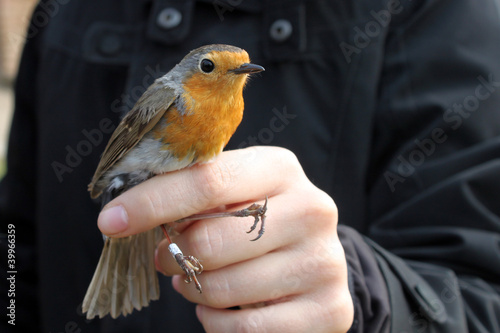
[[207, 66]]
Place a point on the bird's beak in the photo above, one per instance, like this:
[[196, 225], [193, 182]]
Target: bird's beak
[[248, 69]]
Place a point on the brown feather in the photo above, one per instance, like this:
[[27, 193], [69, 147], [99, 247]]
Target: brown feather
[[132, 128]]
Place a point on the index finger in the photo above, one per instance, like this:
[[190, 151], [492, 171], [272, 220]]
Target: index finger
[[234, 176]]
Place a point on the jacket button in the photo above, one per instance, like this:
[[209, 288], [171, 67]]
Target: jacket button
[[110, 45], [169, 18], [281, 30]]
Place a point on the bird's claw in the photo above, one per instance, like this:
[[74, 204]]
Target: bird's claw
[[255, 210], [189, 264], [192, 267], [258, 212]]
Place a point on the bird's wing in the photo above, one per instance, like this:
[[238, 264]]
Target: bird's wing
[[145, 114]]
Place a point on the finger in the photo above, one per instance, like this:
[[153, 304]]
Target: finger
[[273, 276], [269, 277], [268, 319], [235, 176], [300, 314], [221, 242]]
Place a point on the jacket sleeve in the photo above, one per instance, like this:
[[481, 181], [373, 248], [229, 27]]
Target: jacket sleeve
[[18, 204], [433, 181], [436, 264]]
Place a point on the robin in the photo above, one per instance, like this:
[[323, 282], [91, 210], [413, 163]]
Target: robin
[[185, 117]]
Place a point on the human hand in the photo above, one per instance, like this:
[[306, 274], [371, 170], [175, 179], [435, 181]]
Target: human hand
[[293, 279]]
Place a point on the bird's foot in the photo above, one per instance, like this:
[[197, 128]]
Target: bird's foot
[[189, 264], [255, 210]]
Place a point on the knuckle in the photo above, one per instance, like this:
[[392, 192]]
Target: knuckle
[[338, 304], [181, 199], [332, 310], [207, 244], [288, 159], [322, 210], [251, 323], [213, 179], [347, 314], [341, 311], [317, 257], [326, 256], [216, 290], [153, 203]]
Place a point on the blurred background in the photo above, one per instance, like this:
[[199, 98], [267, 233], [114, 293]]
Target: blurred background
[[14, 19]]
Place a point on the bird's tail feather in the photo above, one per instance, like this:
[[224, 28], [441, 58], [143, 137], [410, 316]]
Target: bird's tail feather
[[125, 277]]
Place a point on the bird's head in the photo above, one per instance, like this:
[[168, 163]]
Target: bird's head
[[217, 72]]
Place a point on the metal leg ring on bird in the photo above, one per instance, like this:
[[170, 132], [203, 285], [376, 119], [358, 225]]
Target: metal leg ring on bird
[[189, 264]]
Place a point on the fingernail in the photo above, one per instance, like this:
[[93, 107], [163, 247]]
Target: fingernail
[[113, 220]]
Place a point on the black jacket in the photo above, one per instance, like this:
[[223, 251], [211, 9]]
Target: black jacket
[[392, 107]]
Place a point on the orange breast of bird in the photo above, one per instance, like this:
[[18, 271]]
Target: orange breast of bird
[[213, 111]]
